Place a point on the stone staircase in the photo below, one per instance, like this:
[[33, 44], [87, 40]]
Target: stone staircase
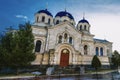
[[66, 70]]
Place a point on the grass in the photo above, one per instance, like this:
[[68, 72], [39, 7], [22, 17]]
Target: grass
[[21, 74], [100, 70]]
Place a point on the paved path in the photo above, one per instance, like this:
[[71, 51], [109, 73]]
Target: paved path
[[14, 77]]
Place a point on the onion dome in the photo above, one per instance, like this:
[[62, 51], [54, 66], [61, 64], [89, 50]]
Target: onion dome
[[83, 26], [64, 13], [83, 21], [46, 12], [43, 18]]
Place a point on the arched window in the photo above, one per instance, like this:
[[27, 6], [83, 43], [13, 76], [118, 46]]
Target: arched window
[[85, 49], [65, 37], [80, 27], [38, 46], [37, 18], [43, 18], [88, 28], [85, 28], [72, 23], [101, 51], [97, 51], [57, 22], [49, 21], [60, 39], [70, 40], [108, 52], [65, 20]]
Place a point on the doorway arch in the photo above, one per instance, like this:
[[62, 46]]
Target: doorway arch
[[64, 58]]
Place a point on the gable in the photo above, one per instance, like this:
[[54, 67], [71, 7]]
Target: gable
[[65, 27]]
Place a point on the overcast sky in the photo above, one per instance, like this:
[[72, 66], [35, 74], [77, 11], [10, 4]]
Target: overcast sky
[[103, 15]]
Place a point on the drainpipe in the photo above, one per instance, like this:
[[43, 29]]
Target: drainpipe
[[46, 36], [46, 44], [46, 28]]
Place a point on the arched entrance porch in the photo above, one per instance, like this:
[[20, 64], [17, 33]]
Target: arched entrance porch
[[58, 53], [64, 58]]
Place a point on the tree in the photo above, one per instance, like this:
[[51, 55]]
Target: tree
[[116, 59], [5, 49], [16, 48], [23, 50], [1, 53], [96, 63]]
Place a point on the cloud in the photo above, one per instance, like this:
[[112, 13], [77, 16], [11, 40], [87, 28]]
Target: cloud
[[111, 8], [21, 16], [105, 26]]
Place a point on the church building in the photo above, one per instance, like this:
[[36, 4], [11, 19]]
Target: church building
[[60, 41]]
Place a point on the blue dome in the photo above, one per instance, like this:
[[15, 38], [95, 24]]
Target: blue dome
[[83, 21], [46, 12], [64, 13]]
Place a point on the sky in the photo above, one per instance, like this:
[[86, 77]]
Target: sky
[[103, 15]]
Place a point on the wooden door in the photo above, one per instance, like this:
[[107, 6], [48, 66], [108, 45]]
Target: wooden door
[[64, 59]]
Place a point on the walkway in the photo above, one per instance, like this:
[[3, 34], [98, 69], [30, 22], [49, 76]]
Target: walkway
[[56, 75]]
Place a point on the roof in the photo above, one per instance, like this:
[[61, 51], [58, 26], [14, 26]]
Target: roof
[[46, 12], [83, 21], [64, 13], [100, 40]]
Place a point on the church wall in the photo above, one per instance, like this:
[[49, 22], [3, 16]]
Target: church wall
[[46, 18], [40, 34], [54, 33], [55, 20], [64, 18], [90, 49], [52, 39], [92, 52], [38, 59], [76, 58], [109, 49], [42, 39], [77, 42], [82, 24], [87, 37], [101, 45], [88, 40], [86, 60], [38, 31], [80, 38]]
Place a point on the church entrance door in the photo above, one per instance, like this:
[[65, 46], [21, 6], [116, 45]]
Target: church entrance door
[[64, 59]]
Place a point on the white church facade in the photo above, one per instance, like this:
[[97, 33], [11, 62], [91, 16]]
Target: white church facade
[[58, 41]]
